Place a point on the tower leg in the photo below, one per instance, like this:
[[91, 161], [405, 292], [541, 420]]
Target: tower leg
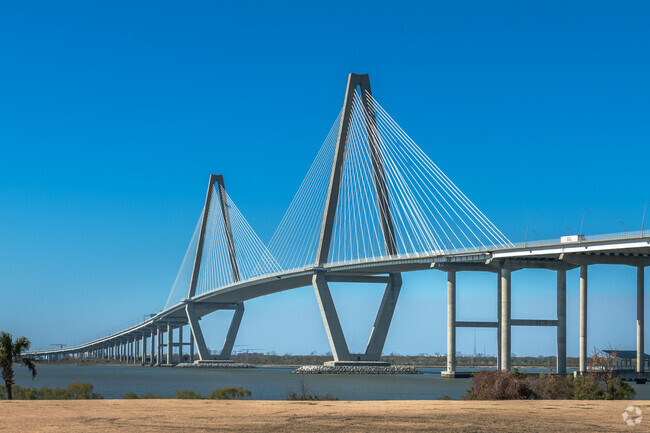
[[333, 328], [228, 344], [197, 334], [384, 317]]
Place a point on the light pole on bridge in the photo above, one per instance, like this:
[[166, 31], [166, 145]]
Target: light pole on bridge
[[622, 223], [583, 221], [643, 220], [527, 226]]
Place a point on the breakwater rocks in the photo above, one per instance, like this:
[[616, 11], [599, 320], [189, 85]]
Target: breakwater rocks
[[322, 369], [215, 365]]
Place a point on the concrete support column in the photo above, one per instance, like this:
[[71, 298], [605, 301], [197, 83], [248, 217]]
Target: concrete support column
[[153, 348], [159, 347], [640, 349], [583, 319], [499, 320], [505, 319], [136, 350], [180, 344], [561, 321], [451, 323], [191, 346], [144, 348], [170, 342]]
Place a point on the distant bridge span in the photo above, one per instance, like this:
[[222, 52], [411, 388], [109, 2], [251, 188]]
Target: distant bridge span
[[371, 207]]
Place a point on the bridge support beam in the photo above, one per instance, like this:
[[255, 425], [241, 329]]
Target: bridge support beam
[[583, 319], [505, 319], [640, 319], [561, 321]]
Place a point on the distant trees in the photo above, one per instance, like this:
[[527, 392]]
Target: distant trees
[[11, 352]]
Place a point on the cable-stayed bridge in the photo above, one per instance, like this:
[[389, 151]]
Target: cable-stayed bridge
[[372, 206]]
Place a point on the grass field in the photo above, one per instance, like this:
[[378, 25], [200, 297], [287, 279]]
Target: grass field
[[282, 416]]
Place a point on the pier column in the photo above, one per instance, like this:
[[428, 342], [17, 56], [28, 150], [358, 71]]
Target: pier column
[[499, 320], [144, 348], [136, 349], [180, 344], [505, 319], [561, 321], [451, 324], [159, 347], [152, 361], [640, 349], [583, 319], [191, 346], [170, 340]]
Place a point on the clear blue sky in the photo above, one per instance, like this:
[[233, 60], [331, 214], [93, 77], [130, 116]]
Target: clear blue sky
[[112, 116]]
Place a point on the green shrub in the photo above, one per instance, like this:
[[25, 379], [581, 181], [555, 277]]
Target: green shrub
[[187, 394], [133, 395], [230, 393], [310, 397], [74, 391], [81, 391]]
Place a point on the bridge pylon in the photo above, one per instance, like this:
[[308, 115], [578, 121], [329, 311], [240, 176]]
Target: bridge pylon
[[215, 185], [338, 345]]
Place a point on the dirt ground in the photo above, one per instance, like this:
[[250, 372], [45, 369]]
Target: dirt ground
[[283, 416]]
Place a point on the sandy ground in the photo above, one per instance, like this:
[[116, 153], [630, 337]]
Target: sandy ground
[[282, 416]]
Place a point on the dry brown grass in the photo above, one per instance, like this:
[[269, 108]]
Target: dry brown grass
[[283, 416]]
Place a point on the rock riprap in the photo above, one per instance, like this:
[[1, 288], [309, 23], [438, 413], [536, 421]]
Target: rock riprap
[[322, 369]]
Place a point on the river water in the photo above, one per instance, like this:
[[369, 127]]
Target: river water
[[266, 383]]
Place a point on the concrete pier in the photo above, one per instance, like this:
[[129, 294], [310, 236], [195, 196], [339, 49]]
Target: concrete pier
[[561, 322], [170, 342], [583, 319], [144, 348], [191, 347], [180, 344], [158, 347], [499, 320], [451, 325], [640, 319], [153, 348], [505, 319]]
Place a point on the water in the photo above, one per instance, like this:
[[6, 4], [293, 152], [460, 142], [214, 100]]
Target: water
[[266, 383]]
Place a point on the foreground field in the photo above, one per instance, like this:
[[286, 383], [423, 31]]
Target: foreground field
[[251, 416]]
